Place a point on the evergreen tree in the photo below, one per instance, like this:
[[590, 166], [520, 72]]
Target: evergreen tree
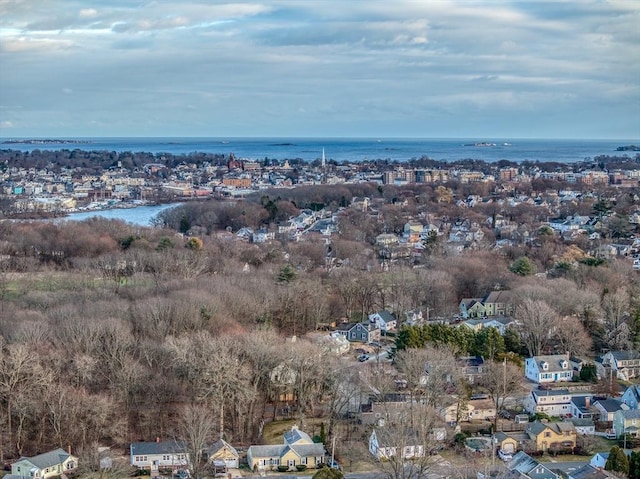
[[287, 274], [523, 266], [588, 373], [328, 473], [634, 465], [617, 461]]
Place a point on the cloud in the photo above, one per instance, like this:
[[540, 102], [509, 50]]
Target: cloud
[[6, 124], [374, 64]]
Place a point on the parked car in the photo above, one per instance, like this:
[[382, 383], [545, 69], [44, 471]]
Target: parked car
[[182, 474], [334, 465], [505, 456], [363, 357]]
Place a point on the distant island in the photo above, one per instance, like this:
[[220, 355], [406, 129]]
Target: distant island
[[628, 148], [46, 142]]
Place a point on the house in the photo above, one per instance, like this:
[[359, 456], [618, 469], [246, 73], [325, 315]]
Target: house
[[625, 364], [608, 407], [550, 402], [50, 464], [413, 317], [631, 396], [511, 442], [582, 408], [547, 369], [158, 455], [626, 422], [538, 437], [599, 459], [221, 452], [472, 308], [496, 303], [523, 465], [297, 449], [473, 409], [552, 435], [364, 332], [476, 325], [407, 445], [391, 408], [471, 367], [586, 427], [384, 321]]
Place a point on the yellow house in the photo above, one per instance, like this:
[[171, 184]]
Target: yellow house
[[50, 464], [539, 436], [552, 435], [297, 449]]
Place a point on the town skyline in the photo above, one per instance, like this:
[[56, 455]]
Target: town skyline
[[278, 69]]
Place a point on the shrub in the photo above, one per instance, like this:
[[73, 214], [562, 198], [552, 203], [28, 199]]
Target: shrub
[[283, 468], [301, 467]]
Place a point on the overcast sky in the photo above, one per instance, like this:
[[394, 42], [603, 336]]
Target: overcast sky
[[348, 68]]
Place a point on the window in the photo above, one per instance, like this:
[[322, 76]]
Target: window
[[547, 434], [303, 461]]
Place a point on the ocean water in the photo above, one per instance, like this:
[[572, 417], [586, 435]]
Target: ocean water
[[354, 149], [140, 215]]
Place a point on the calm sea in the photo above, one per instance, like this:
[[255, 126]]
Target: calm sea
[[356, 149], [140, 215]]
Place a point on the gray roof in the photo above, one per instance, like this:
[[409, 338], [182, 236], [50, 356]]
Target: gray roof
[[589, 472], [272, 450], [550, 392], [625, 355], [295, 435], [609, 404], [529, 467], [631, 414], [582, 422], [48, 459], [554, 361], [164, 447], [385, 315]]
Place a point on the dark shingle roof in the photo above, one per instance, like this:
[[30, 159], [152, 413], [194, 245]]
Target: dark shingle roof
[[165, 447]]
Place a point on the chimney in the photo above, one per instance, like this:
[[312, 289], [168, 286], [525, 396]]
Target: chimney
[[69, 449], [587, 401], [157, 439]]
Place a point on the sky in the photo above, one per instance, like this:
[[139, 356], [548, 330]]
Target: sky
[[320, 68]]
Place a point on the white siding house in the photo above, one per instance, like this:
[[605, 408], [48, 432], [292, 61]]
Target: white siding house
[[548, 369]]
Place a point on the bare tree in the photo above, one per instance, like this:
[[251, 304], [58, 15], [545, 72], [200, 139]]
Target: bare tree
[[616, 306], [196, 429], [501, 381], [572, 336], [537, 323], [405, 449]]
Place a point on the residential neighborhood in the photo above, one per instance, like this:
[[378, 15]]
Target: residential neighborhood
[[363, 318]]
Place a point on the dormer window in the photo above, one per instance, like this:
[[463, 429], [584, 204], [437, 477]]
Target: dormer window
[[545, 365], [564, 364]]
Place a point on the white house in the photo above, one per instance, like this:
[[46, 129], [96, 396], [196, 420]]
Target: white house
[[586, 427], [548, 369], [550, 402], [409, 450], [384, 320], [43, 466], [158, 455]]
